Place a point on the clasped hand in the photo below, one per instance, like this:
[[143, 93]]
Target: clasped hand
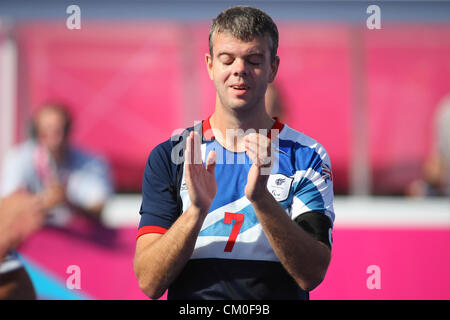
[[201, 180]]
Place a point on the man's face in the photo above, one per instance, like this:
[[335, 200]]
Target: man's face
[[50, 126], [241, 70]]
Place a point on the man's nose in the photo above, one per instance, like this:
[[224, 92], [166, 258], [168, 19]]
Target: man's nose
[[239, 67]]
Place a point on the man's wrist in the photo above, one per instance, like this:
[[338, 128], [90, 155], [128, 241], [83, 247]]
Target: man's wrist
[[262, 200], [201, 212]]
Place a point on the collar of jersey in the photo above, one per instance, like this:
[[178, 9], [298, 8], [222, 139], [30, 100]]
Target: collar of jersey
[[208, 133]]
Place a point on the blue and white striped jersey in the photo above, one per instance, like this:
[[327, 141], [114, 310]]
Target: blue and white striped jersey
[[232, 258]]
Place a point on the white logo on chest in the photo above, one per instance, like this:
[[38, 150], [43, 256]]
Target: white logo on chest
[[279, 186]]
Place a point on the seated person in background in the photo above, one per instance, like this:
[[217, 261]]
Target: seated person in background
[[20, 215], [66, 181], [436, 171]]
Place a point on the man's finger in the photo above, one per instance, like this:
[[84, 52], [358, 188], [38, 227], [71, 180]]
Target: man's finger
[[258, 155], [211, 161], [197, 142], [257, 138], [261, 144], [253, 156], [188, 151]]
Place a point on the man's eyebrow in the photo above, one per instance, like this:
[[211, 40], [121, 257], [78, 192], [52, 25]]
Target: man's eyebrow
[[257, 53], [224, 53]]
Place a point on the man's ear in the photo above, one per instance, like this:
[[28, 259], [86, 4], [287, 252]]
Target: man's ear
[[274, 68], [209, 65]]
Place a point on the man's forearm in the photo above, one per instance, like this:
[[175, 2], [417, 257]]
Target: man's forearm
[[157, 264], [305, 258]]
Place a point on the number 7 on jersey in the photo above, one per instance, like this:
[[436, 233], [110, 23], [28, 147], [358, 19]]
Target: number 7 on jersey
[[239, 219]]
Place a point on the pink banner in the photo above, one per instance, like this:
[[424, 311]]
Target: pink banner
[[121, 81], [412, 264], [129, 88], [408, 73]]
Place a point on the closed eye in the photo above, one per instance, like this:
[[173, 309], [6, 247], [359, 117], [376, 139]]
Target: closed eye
[[255, 59], [226, 59]]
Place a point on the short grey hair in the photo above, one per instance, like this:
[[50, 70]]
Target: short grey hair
[[245, 23]]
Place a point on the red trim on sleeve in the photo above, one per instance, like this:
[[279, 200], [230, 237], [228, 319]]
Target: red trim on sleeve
[[150, 229]]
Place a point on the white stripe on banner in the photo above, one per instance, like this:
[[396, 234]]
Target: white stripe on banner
[[122, 210]]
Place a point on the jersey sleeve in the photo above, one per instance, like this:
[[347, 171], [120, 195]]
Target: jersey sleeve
[[160, 205], [312, 205]]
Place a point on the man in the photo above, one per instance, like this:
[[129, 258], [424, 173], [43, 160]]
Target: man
[[227, 229], [436, 170], [65, 180]]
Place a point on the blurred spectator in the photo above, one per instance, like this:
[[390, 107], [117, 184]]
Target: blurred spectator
[[436, 171], [67, 179], [20, 215], [64, 180], [274, 105]]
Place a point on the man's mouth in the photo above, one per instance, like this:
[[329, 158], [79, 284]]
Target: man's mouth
[[241, 87]]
